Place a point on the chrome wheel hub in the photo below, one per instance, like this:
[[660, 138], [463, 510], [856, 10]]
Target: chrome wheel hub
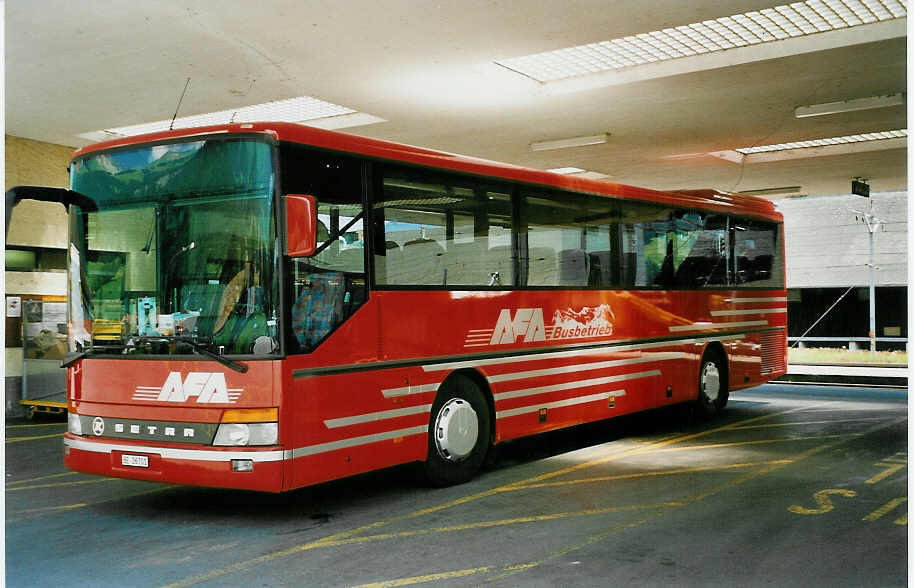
[[710, 381], [456, 430]]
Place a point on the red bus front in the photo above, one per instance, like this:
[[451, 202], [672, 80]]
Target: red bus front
[[174, 314]]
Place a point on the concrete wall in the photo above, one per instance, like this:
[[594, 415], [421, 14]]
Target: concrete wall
[[828, 247], [33, 224]]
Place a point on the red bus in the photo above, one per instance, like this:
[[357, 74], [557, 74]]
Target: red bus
[[267, 306]]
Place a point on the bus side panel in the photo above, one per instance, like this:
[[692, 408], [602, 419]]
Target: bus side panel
[[586, 387], [346, 417], [351, 423], [571, 385]]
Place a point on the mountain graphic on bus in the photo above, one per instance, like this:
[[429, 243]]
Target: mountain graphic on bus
[[590, 321]]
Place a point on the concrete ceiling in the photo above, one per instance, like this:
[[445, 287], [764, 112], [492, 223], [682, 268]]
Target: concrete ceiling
[[427, 68]]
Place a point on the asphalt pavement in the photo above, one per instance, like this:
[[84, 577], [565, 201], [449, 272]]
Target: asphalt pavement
[[794, 485]]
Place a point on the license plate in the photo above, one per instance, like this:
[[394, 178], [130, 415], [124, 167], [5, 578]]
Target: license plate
[[135, 461]]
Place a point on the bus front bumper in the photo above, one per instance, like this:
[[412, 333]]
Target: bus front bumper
[[248, 469]]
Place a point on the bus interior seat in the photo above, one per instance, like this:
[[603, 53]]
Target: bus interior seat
[[318, 308], [600, 269], [543, 267], [419, 263], [572, 267]]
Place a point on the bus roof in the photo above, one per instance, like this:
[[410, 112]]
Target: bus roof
[[709, 199]]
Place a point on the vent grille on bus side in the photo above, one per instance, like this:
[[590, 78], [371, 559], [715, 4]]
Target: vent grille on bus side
[[773, 352]]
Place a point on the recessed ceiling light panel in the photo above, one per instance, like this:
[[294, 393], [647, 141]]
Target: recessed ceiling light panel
[[850, 105], [570, 142], [824, 142], [299, 109], [751, 28]]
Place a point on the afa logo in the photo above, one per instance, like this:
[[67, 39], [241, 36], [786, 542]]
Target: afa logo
[[206, 387], [528, 325], [527, 322]]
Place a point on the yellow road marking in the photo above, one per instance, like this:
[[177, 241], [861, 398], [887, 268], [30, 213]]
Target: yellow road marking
[[76, 483], [798, 423], [632, 476], [37, 425], [903, 520], [442, 576], [29, 480], [822, 499], [332, 539], [18, 439], [885, 474], [756, 442], [428, 578], [885, 509], [496, 523], [49, 509]]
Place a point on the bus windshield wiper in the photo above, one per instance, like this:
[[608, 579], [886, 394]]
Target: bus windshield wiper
[[199, 348]]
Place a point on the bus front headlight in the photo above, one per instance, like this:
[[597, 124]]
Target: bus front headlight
[[247, 434], [236, 430], [74, 425]]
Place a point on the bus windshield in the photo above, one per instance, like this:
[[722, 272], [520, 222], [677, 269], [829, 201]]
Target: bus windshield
[[181, 253]]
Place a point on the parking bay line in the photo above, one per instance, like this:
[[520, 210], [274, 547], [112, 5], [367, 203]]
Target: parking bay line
[[33, 438], [52, 509], [57, 484], [329, 540], [36, 425], [39, 478]]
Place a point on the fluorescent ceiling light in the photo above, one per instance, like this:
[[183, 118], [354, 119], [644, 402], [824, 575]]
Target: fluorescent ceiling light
[[824, 142], [570, 142], [850, 105], [774, 193], [300, 109], [798, 19], [579, 173]]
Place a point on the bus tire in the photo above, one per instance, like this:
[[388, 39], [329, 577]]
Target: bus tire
[[712, 384], [459, 432]]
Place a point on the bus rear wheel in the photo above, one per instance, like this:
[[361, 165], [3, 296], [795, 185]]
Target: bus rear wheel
[[459, 432], [712, 384]]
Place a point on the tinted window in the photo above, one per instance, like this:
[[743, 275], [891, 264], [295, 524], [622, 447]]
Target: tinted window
[[442, 232], [756, 254], [701, 249]]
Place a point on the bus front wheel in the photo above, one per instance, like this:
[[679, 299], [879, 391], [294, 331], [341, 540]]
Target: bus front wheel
[[459, 432], [712, 384]]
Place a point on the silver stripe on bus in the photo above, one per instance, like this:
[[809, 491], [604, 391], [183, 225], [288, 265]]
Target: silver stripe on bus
[[742, 300], [558, 404], [581, 367], [355, 441], [171, 453], [575, 384], [532, 355], [748, 311], [390, 414], [703, 326], [407, 390], [377, 416]]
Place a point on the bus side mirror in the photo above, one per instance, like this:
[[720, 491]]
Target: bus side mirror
[[301, 225]]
